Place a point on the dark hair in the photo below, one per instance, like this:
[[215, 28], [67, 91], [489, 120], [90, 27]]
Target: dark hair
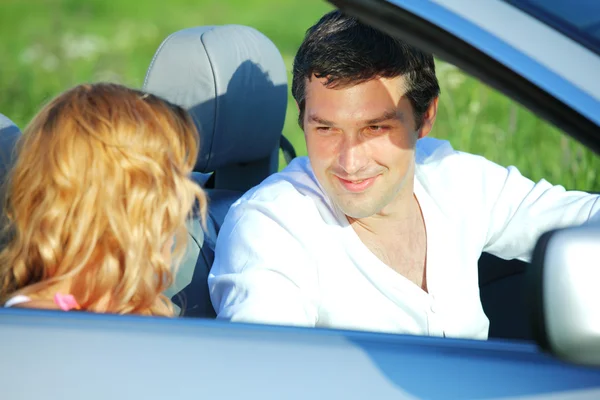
[[348, 52]]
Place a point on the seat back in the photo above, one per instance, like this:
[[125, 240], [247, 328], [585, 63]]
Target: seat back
[[503, 291], [9, 135], [233, 81]]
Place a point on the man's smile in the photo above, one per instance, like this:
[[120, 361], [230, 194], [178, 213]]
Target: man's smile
[[357, 185]]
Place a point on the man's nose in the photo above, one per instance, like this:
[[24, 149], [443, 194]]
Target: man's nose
[[352, 155]]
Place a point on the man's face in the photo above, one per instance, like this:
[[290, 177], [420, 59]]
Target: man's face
[[361, 142]]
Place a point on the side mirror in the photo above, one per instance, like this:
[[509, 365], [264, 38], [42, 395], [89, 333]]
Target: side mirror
[[565, 278]]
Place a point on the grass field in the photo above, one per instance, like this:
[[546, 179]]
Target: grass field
[[48, 46]]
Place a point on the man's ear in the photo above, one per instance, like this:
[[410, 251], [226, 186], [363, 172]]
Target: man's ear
[[428, 118]]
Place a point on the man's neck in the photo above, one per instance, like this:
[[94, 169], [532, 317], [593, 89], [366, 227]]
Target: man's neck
[[397, 236], [401, 213]]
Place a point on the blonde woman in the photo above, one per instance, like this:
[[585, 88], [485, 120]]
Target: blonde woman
[[97, 202]]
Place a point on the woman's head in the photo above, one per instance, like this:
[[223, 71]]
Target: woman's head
[[99, 189]]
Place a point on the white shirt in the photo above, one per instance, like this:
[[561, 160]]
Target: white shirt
[[287, 255]]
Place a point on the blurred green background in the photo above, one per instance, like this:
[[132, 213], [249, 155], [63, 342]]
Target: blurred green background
[[48, 46]]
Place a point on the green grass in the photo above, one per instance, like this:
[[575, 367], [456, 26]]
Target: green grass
[[48, 46]]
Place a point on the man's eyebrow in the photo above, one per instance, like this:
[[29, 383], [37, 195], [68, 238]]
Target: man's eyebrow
[[388, 115], [318, 120]]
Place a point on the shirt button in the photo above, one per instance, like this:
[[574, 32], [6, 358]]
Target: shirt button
[[433, 308]]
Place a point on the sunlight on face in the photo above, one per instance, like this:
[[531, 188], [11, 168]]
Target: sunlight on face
[[361, 142]]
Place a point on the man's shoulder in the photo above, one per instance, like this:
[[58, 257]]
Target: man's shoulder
[[292, 187], [449, 174], [432, 151], [438, 157], [291, 198]]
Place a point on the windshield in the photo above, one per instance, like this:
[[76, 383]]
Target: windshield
[[580, 20]]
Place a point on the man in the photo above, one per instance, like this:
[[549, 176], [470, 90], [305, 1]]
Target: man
[[380, 228]]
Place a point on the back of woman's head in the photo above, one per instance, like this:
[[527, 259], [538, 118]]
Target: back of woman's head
[[99, 189]]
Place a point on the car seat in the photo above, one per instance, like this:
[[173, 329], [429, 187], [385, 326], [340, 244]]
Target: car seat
[[233, 81], [9, 134], [503, 288]]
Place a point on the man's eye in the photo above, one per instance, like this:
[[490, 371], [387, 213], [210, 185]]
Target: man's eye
[[378, 128], [323, 128]]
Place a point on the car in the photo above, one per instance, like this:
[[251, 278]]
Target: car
[[544, 324]]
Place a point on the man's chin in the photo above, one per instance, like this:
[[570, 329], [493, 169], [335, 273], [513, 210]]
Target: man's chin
[[355, 210]]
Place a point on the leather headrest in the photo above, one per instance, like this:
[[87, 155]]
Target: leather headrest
[[233, 81]]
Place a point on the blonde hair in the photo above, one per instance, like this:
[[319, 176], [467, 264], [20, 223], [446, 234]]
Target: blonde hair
[[99, 187]]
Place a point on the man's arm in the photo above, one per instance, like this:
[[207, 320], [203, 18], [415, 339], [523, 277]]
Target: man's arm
[[262, 272], [521, 210]]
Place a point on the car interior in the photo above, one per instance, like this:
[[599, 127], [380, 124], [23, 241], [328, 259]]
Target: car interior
[[233, 81]]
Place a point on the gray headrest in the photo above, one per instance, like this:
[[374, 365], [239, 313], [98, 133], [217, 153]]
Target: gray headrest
[[233, 80], [7, 127], [9, 134]]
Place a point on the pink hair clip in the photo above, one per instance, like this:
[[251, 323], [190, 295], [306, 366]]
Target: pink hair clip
[[66, 302]]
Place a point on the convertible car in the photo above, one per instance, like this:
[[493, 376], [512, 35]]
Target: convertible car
[[544, 340]]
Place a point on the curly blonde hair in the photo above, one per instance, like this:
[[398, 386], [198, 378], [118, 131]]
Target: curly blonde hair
[[99, 189]]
